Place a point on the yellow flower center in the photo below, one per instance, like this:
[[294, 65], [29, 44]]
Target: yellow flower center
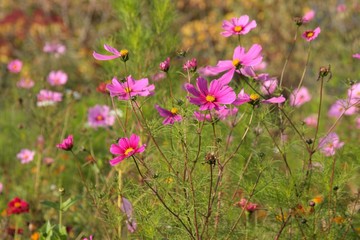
[[238, 28], [99, 118], [127, 89], [174, 110], [17, 204], [128, 151], [210, 98], [254, 96], [309, 34], [236, 62], [124, 52]]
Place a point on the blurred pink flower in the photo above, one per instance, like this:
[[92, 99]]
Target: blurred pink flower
[[238, 26], [311, 120], [310, 35], [25, 83], [210, 97], [67, 144], [356, 55], [90, 238], [260, 66], [25, 155], [158, 76], [342, 106], [127, 208], [125, 148], [47, 98], [15, 66], [268, 84], [190, 65], [165, 65], [202, 116], [354, 92], [329, 144], [130, 88], [299, 96], [99, 116], [123, 54], [1, 188], [57, 78], [171, 116], [206, 71], [341, 8], [220, 114], [240, 61], [48, 161], [56, 48], [247, 205], [254, 99], [308, 16]]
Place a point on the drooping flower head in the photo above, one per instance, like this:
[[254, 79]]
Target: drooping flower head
[[123, 54], [165, 65], [254, 99], [25, 155], [130, 88], [190, 65], [171, 116], [329, 144], [310, 35], [210, 97], [48, 98], [343, 106], [241, 60], [238, 26], [57, 78], [25, 83], [15, 66], [67, 144], [299, 96], [126, 147], [99, 116], [17, 206]]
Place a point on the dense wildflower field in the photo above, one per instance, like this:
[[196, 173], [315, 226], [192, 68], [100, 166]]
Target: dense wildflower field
[[179, 120]]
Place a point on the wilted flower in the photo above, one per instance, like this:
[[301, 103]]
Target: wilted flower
[[125, 148], [99, 116], [299, 96], [171, 116], [15, 66], [25, 83], [329, 144], [25, 155], [310, 35], [190, 65], [342, 106], [57, 78], [17, 206], [311, 120], [47, 98], [165, 65], [238, 26], [67, 144], [158, 76], [123, 54], [308, 16], [130, 88]]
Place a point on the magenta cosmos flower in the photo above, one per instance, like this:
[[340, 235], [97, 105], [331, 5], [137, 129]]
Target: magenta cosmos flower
[[171, 116], [190, 65], [25, 83], [25, 155], [130, 88], [241, 60], [310, 35], [329, 144], [100, 116], [15, 66], [125, 148], [299, 96], [212, 97], [254, 99], [67, 144], [238, 26], [57, 78], [356, 55], [47, 98], [123, 54]]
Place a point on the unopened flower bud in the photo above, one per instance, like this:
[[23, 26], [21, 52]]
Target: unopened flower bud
[[124, 54]]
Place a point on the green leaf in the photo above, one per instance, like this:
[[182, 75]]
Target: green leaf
[[68, 203], [54, 205]]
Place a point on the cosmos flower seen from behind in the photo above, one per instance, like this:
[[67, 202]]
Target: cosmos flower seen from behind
[[99, 116], [238, 26], [310, 35], [17, 206], [125, 148], [299, 96], [67, 144], [171, 116], [57, 78], [15, 66], [212, 97], [123, 54], [25, 155], [329, 144], [25, 83], [130, 88], [48, 98]]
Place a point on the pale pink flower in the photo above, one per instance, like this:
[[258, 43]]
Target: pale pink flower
[[202, 116], [48, 161], [1, 188], [238, 26], [25, 155], [247, 205], [125, 148], [190, 65], [310, 35], [341, 8], [57, 78], [25, 83], [260, 66], [268, 84], [15, 66], [48, 98], [354, 92], [311, 120], [100, 116], [356, 55], [67, 144], [299, 96], [342, 106], [158, 76], [171, 116], [329, 144], [308, 16], [55, 48], [206, 71], [165, 65]]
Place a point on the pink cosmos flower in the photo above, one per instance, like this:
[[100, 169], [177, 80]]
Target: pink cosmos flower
[[311, 120], [90, 238], [245, 204], [241, 60], [127, 208], [47, 98], [210, 97], [171, 116], [238, 26], [268, 84], [25, 83], [67, 144], [125, 148], [25, 155], [329, 144], [15, 66], [165, 65], [308, 16], [123, 54], [254, 99], [342, 106], [354, 92], [1, 188], [299, 96], [190, 65], [99, 116], [158, 76], [56, 48], [130, 88], [310, 35], [356, 55], [57, 78], [341, 8]]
